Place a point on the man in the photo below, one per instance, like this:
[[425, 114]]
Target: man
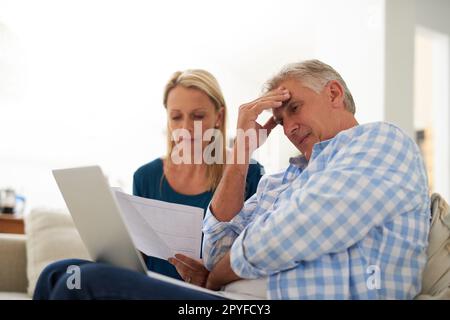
[[348, 219]]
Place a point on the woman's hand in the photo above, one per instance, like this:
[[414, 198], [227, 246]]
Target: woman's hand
[[191, 270]]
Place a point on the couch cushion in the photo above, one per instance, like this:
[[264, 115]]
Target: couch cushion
[[13, 263], [14, 296], [436, 276], [51, 236]]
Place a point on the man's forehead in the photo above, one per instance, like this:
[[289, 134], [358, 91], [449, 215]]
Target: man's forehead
[[278, 112], [295, 87], [291, 84]]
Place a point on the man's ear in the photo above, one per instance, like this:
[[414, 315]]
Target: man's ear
[[336, 94]]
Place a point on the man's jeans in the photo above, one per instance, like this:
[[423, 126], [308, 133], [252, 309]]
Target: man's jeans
[[103, 281]]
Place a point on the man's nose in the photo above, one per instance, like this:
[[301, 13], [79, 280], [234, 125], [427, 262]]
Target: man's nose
[[289, 127]]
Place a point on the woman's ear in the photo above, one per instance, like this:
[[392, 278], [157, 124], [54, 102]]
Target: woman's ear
[[336, 94], [219, 117]]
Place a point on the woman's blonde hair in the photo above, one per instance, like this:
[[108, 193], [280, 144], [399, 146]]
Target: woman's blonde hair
[[204, 81]]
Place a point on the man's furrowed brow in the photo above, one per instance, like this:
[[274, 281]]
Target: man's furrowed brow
[[290, 102], [278, 115], [286, 103]]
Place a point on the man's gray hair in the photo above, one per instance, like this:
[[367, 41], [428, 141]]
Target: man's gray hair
[[314, 75]]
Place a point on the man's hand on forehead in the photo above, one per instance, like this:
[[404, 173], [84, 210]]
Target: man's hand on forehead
[[277, 113], [249, 112]]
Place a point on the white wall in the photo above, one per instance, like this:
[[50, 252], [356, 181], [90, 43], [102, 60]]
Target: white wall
[[399, 64], [432, 21], [89, 74], [433, 14]]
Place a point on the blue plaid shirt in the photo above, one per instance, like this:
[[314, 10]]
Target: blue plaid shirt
[[350, 224]]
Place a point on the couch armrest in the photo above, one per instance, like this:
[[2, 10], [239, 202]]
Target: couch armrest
[[13, 263]]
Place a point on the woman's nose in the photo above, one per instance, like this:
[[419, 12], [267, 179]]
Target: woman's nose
[[187, 124]]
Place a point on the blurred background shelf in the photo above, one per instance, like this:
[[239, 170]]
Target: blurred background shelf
[[11, 223]]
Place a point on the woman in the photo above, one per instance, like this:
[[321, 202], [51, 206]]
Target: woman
[[189, 97], [193, 100]]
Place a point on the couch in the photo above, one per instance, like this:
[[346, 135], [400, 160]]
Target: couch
[[51, 236]]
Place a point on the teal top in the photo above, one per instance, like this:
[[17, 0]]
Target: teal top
[[149, 182]]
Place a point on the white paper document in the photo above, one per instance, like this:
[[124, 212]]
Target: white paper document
[[161, 229]]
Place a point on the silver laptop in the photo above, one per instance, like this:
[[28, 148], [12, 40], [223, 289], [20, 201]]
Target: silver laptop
[[98, 218]]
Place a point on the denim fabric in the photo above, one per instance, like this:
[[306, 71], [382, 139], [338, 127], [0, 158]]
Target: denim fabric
[[99, 281]]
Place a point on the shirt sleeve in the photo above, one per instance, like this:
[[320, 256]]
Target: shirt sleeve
[[366, 183], [219, 236]]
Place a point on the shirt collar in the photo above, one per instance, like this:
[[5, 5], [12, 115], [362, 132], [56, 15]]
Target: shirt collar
[[301, 162], [318, 147]]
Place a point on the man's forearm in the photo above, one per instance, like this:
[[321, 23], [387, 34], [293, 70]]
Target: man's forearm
[[229, 197]]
